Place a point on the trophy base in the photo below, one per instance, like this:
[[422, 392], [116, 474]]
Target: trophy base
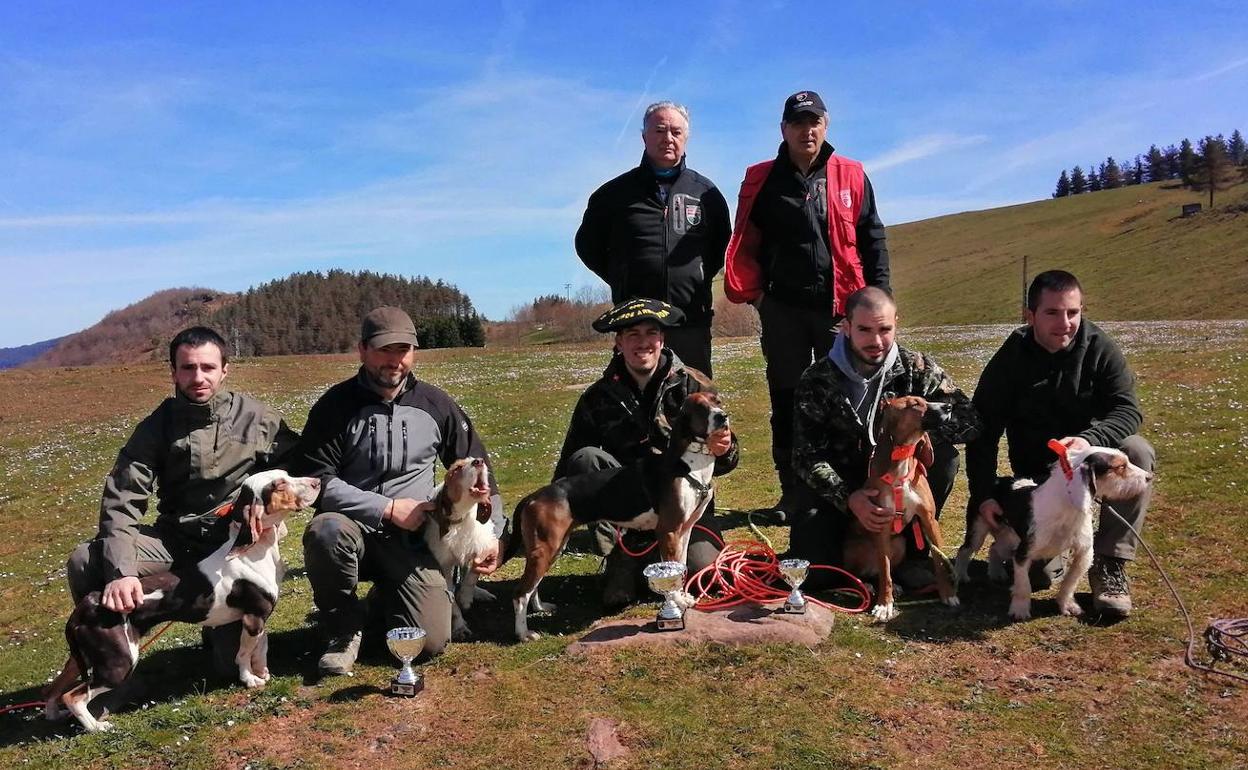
[[406, 689], [793, 609], [671, 624]]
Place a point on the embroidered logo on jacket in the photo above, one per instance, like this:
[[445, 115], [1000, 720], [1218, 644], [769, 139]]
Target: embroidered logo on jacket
[[686, 212], [847, 200]]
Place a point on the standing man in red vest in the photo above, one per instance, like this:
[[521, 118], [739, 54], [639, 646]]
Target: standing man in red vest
[[807, 235]]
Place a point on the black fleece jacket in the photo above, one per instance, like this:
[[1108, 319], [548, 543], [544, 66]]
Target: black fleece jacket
[[1032, 395], [643, 246]]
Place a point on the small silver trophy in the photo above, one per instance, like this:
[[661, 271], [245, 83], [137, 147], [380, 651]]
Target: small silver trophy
[[667, 578], [406, 643], [794, 572]]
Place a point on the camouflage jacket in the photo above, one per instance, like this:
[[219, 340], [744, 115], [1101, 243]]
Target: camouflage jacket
[[628, 424], [831, 446], [194, 458]]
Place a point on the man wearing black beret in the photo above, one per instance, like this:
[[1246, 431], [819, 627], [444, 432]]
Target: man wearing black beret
[[626, 415]]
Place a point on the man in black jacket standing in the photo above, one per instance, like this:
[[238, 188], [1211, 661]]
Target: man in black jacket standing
[[660, 231], [1062, 377]]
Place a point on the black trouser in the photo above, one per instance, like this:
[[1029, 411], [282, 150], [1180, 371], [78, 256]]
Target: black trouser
[[338, 553], [793, 337], [692, 345], [703, 546], [819, 533]]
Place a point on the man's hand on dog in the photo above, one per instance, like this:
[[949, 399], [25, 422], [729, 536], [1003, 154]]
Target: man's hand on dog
[[872, 517], [1075, 443], [719, 442], [487, 562], [123, 594], [409, 514]]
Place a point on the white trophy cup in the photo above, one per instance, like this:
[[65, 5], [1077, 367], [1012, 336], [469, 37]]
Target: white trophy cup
[[794, 572], [667, 578], [406, 643]]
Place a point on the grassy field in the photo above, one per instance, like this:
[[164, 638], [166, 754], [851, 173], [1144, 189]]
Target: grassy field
[[934, 689], [1137, 258]]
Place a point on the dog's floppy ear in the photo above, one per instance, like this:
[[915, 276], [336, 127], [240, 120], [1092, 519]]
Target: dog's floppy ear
[[1094, 466], [923, 451]]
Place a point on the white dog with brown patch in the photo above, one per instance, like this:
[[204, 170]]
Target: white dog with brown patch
[[459, 534], [1046, 520]]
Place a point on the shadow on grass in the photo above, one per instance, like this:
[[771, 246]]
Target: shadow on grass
[[161, 676], [577, 600]]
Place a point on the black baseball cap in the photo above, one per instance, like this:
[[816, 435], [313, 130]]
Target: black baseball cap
[[803, 101], [387, 325], [634, 311]]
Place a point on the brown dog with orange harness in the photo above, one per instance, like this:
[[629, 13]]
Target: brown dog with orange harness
[[898, 471]]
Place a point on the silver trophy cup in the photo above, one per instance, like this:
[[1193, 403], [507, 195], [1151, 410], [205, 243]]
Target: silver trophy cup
[[406, 643], [667, 578], [794, 572]]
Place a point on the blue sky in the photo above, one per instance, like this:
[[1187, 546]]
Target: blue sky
[[151, 145]]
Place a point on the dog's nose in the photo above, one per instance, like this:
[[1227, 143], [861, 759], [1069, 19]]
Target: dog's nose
[[477, 462]]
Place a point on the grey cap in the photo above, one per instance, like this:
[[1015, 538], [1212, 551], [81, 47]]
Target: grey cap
[[386, 326]]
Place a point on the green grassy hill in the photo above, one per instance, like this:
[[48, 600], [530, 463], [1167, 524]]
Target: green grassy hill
[[1137, 259]]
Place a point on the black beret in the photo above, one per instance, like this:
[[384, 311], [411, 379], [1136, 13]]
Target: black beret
[[634, 311]]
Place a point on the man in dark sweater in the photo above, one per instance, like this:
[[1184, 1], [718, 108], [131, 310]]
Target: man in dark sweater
[[1062, 377], [807, 235], [659, 231]]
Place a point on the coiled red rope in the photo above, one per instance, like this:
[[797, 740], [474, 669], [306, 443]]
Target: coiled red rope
[[747, 571]]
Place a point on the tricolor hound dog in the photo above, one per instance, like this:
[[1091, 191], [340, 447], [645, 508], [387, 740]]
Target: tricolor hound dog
[[234, 582], [458, 533], [666, 492], [1046, 520], [897, 469]]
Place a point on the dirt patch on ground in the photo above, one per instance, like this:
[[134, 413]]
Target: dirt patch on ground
[[740, 625]]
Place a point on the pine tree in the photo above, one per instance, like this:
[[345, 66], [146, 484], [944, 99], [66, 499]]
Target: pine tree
[[1094, 179], [1173, 166], [1111, 176], [1137, 173], [1236, 150], [1214, 170], [1078, 182], [1157, 169], [1063, 186], [1187, 161]]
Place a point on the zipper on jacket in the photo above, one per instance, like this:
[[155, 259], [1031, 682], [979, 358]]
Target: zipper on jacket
[[667, 281], [372, 440], [390, 442], [403, 465]]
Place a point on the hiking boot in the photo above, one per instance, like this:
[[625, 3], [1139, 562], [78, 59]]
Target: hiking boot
[[340, 653], [1111, 592]]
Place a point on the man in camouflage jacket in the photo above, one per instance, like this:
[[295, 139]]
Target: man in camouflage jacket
[[837, 398], [626, 415], [193, 453]]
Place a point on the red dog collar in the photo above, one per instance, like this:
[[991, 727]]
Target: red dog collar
[[1063, 457]]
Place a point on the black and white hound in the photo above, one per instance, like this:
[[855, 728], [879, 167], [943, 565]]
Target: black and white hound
[[1045, 520]]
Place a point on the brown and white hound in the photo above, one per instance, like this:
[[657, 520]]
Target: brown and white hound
[[667, 492], [235, 582], [897, 469]]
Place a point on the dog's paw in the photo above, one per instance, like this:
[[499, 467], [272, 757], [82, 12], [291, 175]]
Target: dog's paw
[[684, 599], [952, 601], [1070, 608], [461, 633], [543, 607], [251, 680], [530, 636], [1020, 610], [100, 726], [884, 612]]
